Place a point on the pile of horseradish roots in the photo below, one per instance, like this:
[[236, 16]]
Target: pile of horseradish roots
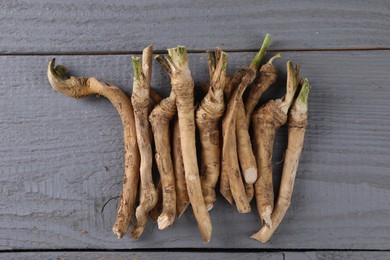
[[223, 120]]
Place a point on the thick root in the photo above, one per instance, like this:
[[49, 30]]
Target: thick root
[[207, 119], [182, 199], [183, 87]]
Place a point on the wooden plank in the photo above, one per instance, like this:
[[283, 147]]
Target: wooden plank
[[317, 255], [61, 159], [337, 255], [55, 26], [142, 255]]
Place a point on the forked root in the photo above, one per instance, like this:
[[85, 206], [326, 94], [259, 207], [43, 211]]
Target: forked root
[[297, 122], [266, 121]]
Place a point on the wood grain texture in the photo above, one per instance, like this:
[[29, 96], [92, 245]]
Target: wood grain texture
[[61, 159], [142, 256], [318, 255], [56, 26], [336, 255]]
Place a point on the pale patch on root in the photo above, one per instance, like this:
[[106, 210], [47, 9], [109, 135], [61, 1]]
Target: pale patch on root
[[266, 217], [165, 220], [250, 175]]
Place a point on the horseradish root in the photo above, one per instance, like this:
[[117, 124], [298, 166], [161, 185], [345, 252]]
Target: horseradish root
[[266, 120], [160, 118], [80, 87], [182, 200], [183, 87], [229, 148], [208, 116], [140, 101], [297, 122]]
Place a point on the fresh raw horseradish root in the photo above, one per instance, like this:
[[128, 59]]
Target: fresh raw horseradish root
[[266, 120], [183, 87], [140, 101], [80, 87], [244, 146], [167, 126], [208, 116], [224, 185], [160, 118], [182, 199], [297, 122]]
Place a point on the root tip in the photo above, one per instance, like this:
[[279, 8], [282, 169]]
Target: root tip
[[209, 206], [259, 237], [117, 232]]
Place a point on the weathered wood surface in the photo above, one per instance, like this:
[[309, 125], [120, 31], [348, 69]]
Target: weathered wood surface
[[336, 255], [143, 256], [61, 159], [72, 26], [318, 255]]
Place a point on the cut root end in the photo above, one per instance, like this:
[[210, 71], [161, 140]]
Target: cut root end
[[165, 220], [250, 175]]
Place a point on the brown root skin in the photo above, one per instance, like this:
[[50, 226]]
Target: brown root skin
[[160, 119], [183, 87], [231, 83], [268, 75], [140, 101], [208, 115], [229, 149], [297, 122], [81, 87], [244, 146], [156, 211], [182, 200], [266, 120]]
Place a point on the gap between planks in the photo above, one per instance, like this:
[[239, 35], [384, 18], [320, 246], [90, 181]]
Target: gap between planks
[[199, 250], [103, 53]]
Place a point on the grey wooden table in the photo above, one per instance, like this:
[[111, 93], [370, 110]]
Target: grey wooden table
[[61, 159]]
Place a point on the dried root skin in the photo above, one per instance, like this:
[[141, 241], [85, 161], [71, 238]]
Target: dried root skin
[[229, 149], [160, 118], [208, 115], [183, 87], [297, 123], [182, 199], [140, 101], [80, 87]]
